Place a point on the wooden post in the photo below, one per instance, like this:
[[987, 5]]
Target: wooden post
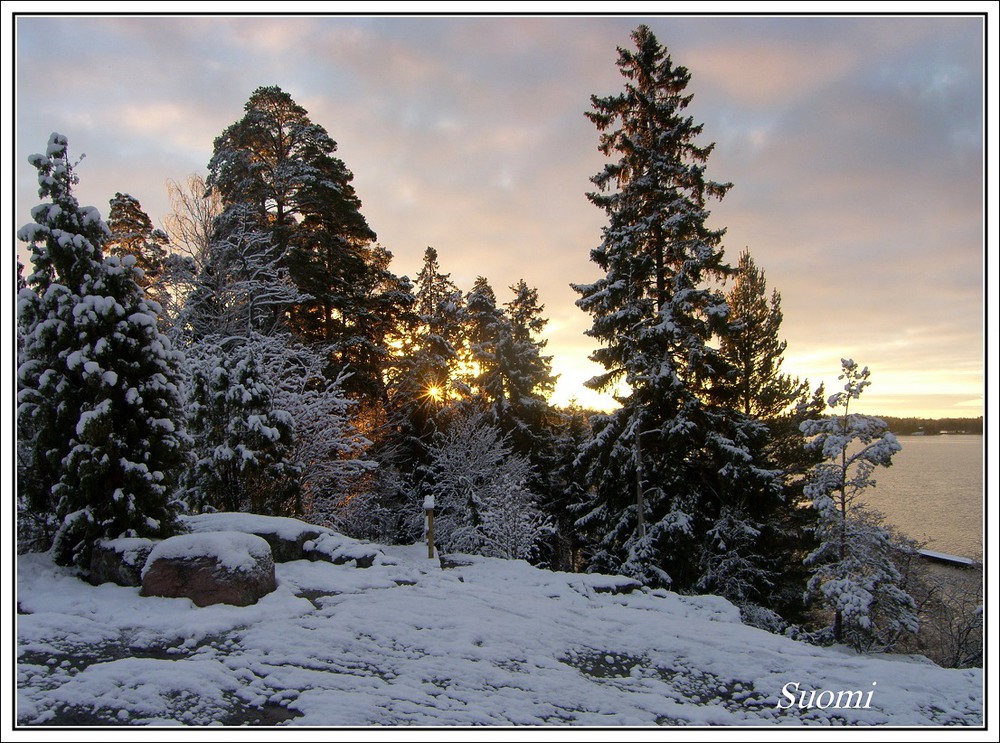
[[640, 501], [430, 533]]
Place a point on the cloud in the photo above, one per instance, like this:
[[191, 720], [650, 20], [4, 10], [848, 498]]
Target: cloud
[[854, 146]]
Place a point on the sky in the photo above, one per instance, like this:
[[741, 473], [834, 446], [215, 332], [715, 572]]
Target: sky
[[855, 145]]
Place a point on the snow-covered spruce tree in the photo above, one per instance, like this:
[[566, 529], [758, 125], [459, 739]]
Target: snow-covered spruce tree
[[854, 575], [99, 404], [525, 416], [479, 486], [528, 377], [486, 332], [243, 439], [440, 311], [775, 529], [665, 464], [272, 433], [243, 442], [568, 482], [424, 377]]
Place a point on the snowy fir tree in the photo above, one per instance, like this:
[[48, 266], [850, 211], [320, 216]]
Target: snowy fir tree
[[568, 482], [527, 373], [854, 575], [774, 528], [243, 443], [440, 311], [99, 399], [666, 463], [424, 378], [486, 332]]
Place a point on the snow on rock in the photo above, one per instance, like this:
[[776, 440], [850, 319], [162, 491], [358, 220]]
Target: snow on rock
[[487, 642], [234, 551], [286, 536], [341, 550], [211, 568]]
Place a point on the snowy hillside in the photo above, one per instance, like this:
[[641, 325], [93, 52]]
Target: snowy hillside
[[405, 642]]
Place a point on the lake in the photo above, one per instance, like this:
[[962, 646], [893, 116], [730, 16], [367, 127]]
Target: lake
[[934, 491]]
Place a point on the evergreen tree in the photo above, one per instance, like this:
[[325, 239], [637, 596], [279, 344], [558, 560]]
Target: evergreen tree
[[761, 540], [753, 349], [667, 462], [853, 570], [525, 415], [132, 233], [789, 524], [421, 382], [98, 384], [527, 372], [567, 490], [283, 167], [434, 352], [277, 160], [242, 441], [382, 319], [486, 334]]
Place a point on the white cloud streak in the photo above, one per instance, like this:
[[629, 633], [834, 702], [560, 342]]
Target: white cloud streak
[[855, 147]]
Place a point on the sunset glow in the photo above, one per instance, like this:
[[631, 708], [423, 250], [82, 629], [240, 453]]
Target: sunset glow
[[855, 146]]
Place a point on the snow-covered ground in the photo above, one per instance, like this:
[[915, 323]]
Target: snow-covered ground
[[405, 642]]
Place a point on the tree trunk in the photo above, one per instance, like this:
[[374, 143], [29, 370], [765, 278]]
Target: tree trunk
[[640, 505]]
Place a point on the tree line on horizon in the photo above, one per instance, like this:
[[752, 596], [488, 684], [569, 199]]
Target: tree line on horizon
[[907, 426], [261, 355]]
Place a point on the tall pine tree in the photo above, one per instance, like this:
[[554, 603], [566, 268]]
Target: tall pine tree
[[755, 389], [667, 467], [284, 169]]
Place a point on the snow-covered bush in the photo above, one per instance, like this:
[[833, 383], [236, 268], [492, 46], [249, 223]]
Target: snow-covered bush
[[272, 433], [482, 503], [327, 448]]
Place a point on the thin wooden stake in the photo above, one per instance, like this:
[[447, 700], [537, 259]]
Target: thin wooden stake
[[430, 533]]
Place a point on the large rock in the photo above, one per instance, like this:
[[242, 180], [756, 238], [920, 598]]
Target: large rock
[[119, 561], [341, 550], [222, 567], [286, 536]]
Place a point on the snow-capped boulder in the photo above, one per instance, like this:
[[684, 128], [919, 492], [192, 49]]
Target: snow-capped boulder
[[341, 550], [285, 536], [119, 561], [224, 567]]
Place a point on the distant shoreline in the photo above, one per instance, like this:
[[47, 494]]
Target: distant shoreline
[[934, 427]]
